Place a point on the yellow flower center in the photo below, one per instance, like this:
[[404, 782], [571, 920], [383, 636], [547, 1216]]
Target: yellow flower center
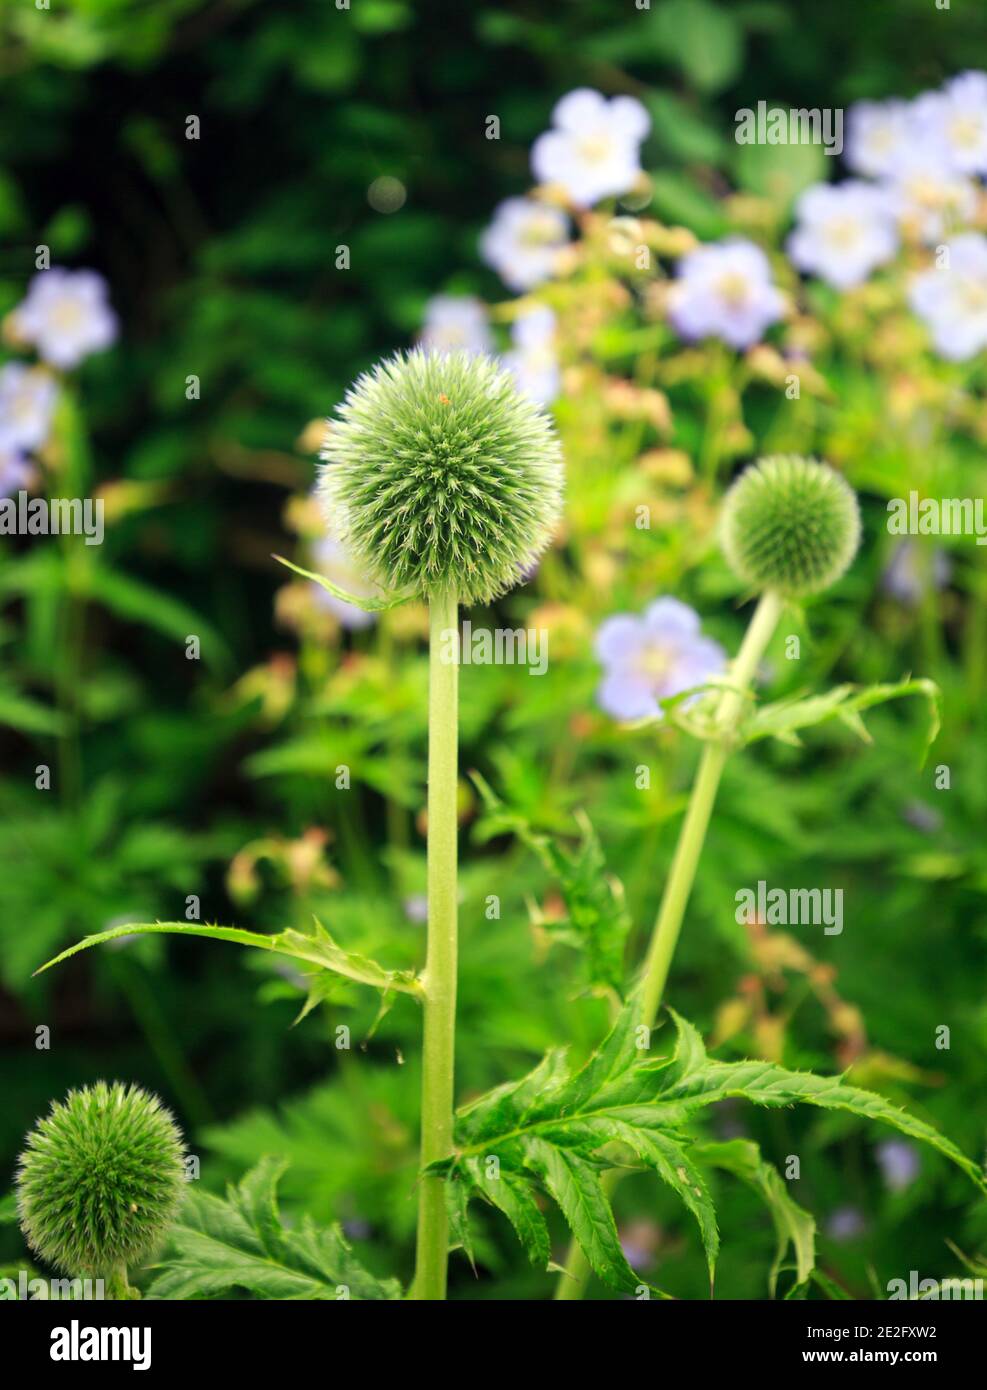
[[595, 149], [732, 289], [654, 663], [965, 132], [67, 315], [844, 233]]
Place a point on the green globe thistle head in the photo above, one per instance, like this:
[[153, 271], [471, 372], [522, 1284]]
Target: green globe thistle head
[[790, 524], [441, 476], [100, 1179]]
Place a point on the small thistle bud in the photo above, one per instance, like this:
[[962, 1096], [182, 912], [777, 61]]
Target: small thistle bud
[[100, 1180], [440, 475], [790, 524]]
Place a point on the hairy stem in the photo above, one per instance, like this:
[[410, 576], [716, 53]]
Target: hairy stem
[[678, 885], [440, 965]]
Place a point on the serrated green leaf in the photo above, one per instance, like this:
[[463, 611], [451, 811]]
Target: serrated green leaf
[[512, 1196], [314, 948], [457, 1192], [597, 921], [240, 1243], [668, 1157], [575, 1186], [508, 1105], [793, 1225], [559, 1127], [765, 1083], [784, 718]]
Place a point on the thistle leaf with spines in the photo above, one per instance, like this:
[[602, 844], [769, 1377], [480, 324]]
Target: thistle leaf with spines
[[793, 1225], [241, 1243], [558, 1129], [785, 719], [315, 948], [597, 922]]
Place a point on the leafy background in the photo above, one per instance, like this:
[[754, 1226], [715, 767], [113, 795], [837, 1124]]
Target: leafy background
[[215, 777]]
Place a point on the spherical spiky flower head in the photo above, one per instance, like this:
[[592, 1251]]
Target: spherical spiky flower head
[[790, 524], [439, 475], [100, 1179]]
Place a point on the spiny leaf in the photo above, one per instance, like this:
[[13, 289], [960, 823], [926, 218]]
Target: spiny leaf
[[457, 1204], [597, 922], [512, 1196], [314, 948], [765, 1083], [241, 1243], [793, 1225], [783, 718], [668, 1157], [562, 1128], [369, 605], [500, 1109], [575, 1185]]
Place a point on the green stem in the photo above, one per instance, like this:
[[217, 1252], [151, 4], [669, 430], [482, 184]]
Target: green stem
[[117, 1285], [440, 966], [678, 885]]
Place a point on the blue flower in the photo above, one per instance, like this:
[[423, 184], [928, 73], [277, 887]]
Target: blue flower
[[845, 1224], [532, 360], [952, 301], [27, 404], [844, 230], [724, 290], [456, 323], [878, 136], [66, 315], [592, 150], [899, 1164], [649, 658], [523, 241], [905, 577]]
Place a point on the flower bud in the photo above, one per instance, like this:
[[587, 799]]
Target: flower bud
[[439, 475], [790, 524], [100, 1180]]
